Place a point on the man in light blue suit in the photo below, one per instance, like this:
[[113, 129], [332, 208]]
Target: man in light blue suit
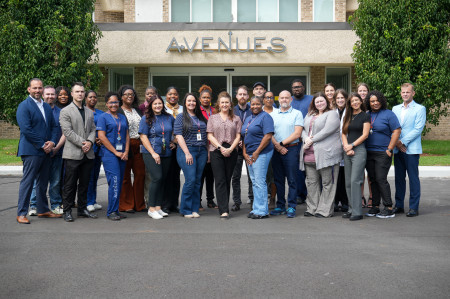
[[412, 118], [38, 137]]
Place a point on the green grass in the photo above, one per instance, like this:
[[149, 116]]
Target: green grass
[[8, 152], [436, 152]]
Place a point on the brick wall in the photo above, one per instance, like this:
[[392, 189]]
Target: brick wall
[[108, 17], [141, 81], [8, 131], [442, 131], [166, 17], [353, 79], [129, 11], [317, 78], [340, 10], [306, 10]]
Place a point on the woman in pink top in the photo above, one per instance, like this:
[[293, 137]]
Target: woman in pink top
[[224, 135]]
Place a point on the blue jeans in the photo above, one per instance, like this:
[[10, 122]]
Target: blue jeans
[[258, 172], [54, 179], [190, 196], [92, 189], [407, 163], [285, 167], [114, 171]]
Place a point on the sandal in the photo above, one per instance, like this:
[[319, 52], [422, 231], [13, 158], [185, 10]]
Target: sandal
[[364, 203], [212, 205]]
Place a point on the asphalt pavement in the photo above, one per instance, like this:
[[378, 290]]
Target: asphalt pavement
[[139, 257]]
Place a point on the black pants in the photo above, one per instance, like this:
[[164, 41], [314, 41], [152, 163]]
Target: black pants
[[172, 186], [76, 172], [158, 174], [341, 193], [207, 176], [236, 180], [378, 165], [223, 168]]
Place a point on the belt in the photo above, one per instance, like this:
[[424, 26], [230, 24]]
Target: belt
[[291, 144]]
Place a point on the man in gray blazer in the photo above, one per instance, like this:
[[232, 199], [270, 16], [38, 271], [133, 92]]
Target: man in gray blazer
[[77, 124]]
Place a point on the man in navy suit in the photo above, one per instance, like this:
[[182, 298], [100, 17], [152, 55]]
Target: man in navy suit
[[38, 136]]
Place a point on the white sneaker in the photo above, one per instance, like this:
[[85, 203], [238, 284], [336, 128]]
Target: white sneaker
[[58, 211], [90, 208], [196, 215], [189, 216], [162, 213], [97, 206], [154, 215], [32, 212]]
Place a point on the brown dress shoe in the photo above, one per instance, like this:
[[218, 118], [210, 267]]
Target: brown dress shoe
[[23, 220], [49, 214]]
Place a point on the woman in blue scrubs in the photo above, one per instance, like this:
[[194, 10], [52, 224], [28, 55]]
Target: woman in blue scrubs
[[190, 132], [112, 130], [257, 130]]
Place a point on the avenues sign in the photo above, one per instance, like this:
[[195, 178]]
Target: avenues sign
[[206, 42]]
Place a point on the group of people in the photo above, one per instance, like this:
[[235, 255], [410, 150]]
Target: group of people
[[320, 144]]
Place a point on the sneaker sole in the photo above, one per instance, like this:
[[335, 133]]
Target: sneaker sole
[[385, 217], [371, 215]]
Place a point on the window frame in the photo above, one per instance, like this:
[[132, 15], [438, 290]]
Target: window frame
[[349, 76], [110, 75], [334, 11]]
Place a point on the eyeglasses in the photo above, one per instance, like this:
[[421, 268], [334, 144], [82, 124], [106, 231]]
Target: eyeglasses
[[113, 103], [297, 87], [129, 94], [269, 98]]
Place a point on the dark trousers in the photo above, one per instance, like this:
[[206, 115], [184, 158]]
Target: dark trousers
[[378, 165], [78, 172], [236, 180], [302, 192], [223, 168], [34, 168], [341, 193], [285, 167], [405, 163], [172, 187], [207, 176], [92, 189], [158, 174]]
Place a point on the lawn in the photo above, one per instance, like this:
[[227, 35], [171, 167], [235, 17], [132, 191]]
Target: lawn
[[436, 152]]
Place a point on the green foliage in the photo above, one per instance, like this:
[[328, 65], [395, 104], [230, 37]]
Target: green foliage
[[405, 41], [54, 40]]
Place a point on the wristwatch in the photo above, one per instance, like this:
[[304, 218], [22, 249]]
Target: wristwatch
[[390, 150], [219, 147], [281, 143]]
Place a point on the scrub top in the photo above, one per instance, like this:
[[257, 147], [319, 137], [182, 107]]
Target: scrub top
[[108, 123], [161, 127]]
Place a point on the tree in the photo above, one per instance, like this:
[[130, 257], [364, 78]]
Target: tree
[[405, 41], [54, 40]]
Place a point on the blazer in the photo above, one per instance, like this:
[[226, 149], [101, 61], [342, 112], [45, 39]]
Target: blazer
[[412, 127], [34, 130], [327, 141], [76, 132]]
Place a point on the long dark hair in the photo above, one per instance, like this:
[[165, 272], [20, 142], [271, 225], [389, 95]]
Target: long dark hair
[[187, 120], [312, 107], [149, 114], [349, 111], [122, 90]]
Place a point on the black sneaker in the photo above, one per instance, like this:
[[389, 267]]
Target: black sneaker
[[373, 211], [398, 210], [386, 213]]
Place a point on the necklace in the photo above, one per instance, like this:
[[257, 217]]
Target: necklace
[[355, 115]]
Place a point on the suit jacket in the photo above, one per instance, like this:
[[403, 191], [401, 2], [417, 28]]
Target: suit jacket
[[76, 132], [34, 129], [327, 140], [412, 127]]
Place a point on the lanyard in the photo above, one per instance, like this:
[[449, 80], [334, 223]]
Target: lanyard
[[249, 123], [210, 111], [372, 120], [118, 124], [197, 123], [161, 124]]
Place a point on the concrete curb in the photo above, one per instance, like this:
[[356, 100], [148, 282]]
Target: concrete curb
[[424, 171]]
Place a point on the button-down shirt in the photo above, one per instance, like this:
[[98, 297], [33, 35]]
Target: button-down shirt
[[40, 105], [404, 110], [285, 123], [243, 114]]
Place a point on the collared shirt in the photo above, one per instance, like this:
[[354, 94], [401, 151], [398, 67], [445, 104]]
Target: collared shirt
[[83, 116], [207, 112], [243, 114], [404, 110], [40, 106], [285, 123], [160, 128]]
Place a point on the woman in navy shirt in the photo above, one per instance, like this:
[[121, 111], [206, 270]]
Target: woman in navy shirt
[[112, 130], [257, 130], [155, 130], [190, 132], [383, 135]]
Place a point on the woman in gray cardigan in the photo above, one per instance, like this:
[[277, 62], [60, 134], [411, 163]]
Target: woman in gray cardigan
[[320, 156]]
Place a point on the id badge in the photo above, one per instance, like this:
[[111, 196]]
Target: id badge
[[199, 137], [141, 148], [119, 147]]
